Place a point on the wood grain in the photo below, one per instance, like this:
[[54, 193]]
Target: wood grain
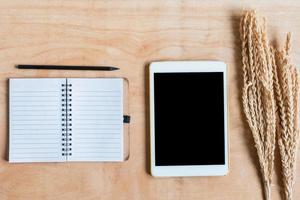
[[130, 34]]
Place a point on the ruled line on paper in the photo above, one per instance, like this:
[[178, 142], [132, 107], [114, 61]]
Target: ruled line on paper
[[34, 91], [96, 124], [30, 110], [34, 96], [33, 120], [96, 99], [99, 142], [97, 138], [97, 152], [93, 96], [97, 129], [18, 115], [36, 99], [98, 133], [93, 101], [35, 129], [97, 114], [32, 147], [40, 124], [98, 119], [95, 156], [37, 113], [17, 138], [37, 132], [117, 110], [98, 105], [102, 147], [34, 143], [34, 157], [34, 106], [99, 91], [35, 152], [33, 124]]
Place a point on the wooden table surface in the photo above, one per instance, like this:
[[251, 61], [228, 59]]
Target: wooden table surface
[[130, 34]]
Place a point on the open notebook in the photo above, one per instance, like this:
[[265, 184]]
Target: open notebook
[[59, 119]]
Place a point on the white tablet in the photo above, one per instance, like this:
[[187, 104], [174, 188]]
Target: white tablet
[[188, 118]]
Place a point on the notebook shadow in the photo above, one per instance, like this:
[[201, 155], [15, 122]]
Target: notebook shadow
[[6, 151]]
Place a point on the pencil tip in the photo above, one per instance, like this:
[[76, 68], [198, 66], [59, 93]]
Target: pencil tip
[[114, 68]]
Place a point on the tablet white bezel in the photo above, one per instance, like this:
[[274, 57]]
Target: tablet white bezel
[[187, 170]]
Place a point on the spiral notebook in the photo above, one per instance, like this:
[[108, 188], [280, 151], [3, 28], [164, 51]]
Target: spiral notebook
[[65, 119]]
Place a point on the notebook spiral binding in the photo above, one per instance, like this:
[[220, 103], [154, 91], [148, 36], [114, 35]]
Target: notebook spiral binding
[[66, 119]]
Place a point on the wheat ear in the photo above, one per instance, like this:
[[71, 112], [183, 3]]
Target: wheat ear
[[287, 92], [258, 93]]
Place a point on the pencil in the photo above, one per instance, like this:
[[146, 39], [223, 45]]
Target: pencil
[[68, 67]]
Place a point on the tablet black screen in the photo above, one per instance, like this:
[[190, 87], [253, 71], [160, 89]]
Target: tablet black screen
[[189, 118]]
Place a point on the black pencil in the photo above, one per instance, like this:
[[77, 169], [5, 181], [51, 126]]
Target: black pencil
[[68, 67]]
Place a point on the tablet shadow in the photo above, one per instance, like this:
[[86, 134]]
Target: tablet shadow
[[147, 119]]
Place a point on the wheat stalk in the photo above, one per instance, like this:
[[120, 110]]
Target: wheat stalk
[[258, 94], [287, 92]]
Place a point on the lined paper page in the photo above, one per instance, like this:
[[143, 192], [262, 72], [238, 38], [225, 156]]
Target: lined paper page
[[97, 119], [35, 114]]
